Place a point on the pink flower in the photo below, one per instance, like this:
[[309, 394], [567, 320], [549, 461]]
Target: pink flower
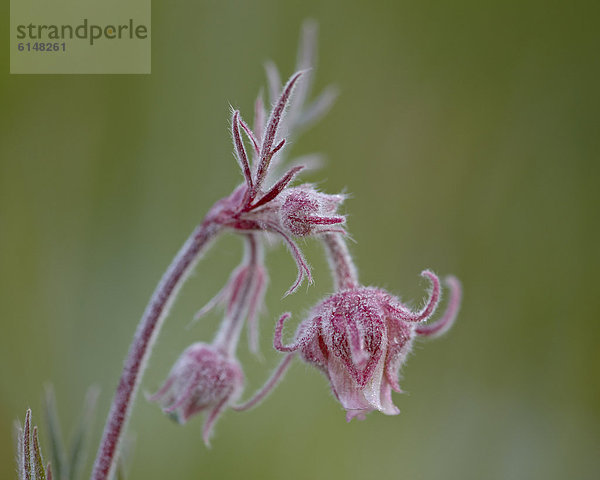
[[202, 379], [360, 337]]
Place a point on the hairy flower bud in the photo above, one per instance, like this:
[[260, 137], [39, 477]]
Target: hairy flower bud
[[203, 378], [305, 211], [360, 337]]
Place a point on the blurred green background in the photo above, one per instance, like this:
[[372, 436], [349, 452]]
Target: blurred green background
[[467, 134]]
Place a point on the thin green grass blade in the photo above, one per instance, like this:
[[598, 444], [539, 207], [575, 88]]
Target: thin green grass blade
[[57, 452], [38, 462], [81, 435]]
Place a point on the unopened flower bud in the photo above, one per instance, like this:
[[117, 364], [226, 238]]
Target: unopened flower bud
[[304, 211], [202, 379], [360, 337]]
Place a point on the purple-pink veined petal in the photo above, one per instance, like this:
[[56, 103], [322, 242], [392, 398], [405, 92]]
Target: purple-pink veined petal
[[350, 395], [385, 395]]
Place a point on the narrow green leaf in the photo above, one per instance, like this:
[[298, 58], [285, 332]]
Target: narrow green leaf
[[57, 453], [18, 436], [81, 435], [38, 462], [27, 446]]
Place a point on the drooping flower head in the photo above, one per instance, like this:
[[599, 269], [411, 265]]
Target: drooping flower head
[[360, 337], [203, 379]]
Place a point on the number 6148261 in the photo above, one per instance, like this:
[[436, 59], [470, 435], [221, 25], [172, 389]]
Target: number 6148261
[[42, 47]]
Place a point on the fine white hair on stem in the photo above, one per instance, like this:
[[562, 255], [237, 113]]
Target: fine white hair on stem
[[269, 385]]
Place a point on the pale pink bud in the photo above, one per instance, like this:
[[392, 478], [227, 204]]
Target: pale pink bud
[[202, 379], [360, 337], [305, 211]]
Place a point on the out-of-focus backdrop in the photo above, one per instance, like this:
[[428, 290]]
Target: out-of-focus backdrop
[[467, 134]]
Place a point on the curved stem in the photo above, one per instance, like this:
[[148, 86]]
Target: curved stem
[[228, 336], [140, 348], [342, 267], [261, 394]]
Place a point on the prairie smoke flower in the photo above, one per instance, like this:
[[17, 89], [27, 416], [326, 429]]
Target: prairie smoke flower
[[203, 379], [360, 337]]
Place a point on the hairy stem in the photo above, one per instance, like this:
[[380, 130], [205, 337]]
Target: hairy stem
[[342, 267], [228, 336], [268, 387], [139, 351]]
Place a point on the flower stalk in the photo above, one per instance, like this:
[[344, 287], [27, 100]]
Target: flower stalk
[[244, 297], [141, 346], [343, 270]]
